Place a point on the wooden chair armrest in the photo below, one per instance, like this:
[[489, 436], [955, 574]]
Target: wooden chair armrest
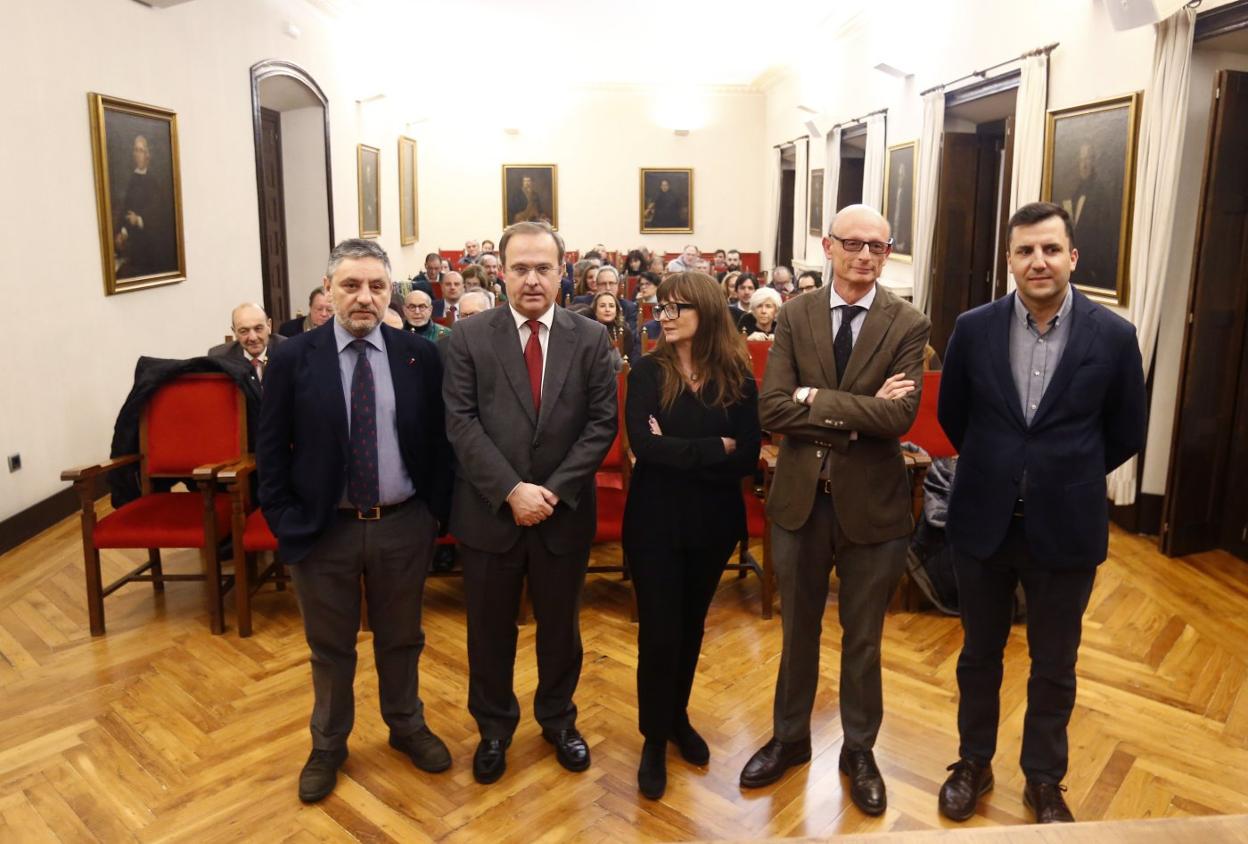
[[84, 473], [237, 471], [208, 472]]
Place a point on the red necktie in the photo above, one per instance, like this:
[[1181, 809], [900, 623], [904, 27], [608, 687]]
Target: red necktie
[[259, 367], [450, 313], [533, 360]]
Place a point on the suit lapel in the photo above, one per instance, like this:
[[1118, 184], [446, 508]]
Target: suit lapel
[[999, 355], [506, 343], [559, 356], [874, 326], [1083, 328], [402, 366], [819, 318], [329, 385]]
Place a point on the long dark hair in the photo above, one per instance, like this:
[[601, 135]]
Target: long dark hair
[[719, 353]]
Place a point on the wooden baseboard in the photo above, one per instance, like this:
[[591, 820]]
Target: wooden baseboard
[[1144, 516], [38, 517]]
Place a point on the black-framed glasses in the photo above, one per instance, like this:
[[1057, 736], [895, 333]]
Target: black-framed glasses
[[852, 246], [671, 310]]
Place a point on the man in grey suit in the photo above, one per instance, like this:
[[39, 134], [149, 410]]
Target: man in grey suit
[[253, 338], [531, 411]]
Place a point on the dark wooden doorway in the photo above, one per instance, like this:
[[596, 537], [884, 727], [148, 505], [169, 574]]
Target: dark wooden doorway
[[1207, 490], [784, 228], [273, 216], [853, 165], [968, 259]]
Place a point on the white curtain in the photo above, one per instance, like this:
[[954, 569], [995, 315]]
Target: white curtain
[[1029, 114], [1156, 190], [831, 181], [873, 166], [801, 186], [773, 205], [927, 189]]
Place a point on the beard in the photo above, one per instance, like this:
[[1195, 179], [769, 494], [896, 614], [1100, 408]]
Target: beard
[[357, 324]]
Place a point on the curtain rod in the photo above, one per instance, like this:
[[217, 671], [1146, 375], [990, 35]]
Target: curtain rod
[[855, 120], [790, 143], [979, 74]]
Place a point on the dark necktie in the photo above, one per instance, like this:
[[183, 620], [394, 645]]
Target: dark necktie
[[258, 365], [843, 345], [362, 484], [533, 362], [450, 313]]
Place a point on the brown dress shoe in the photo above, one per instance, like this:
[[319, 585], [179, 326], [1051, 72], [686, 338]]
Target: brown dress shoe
[[866, 784], [427, 751], [960, 794], [1046, 802], [320, 774], [770, 761]]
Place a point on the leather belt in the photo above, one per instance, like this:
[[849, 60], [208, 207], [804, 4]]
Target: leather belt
[[824, 486], [375, 513], [1018, 508]]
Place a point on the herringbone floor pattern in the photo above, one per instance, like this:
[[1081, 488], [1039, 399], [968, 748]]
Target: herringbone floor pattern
[[160, 731]]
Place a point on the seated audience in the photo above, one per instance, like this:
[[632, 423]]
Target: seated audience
[[431, 275], [605, 308], [474, 302], [745, 286], [782, 280], [607, 280], [391, 318], [452, 291], [472, 251], [583, 273], [760, 322], [686, 262], [320, 309], [446, 266], [732, 261], [719, 264], [656, 265], [635, 263], [487, 248], [418, 309], [253, 338], [648, 288], [730, 287], [493, 283], [808, 281]]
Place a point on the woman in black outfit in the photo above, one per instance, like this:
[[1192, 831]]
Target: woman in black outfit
[[692, 417]]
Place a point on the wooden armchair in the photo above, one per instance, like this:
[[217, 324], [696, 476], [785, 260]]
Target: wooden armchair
[[611, 489], [191, 428]]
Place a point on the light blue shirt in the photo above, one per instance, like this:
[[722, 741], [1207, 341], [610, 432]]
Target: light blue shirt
[[394, 484], [1034, 356]]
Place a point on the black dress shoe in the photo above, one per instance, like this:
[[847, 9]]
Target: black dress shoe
[[866, 786], [1046, 801], [960, 794], [427, 751], [693, 748], [652, 773], [770, 761], [570, 748], [320, 774], [490, 760]]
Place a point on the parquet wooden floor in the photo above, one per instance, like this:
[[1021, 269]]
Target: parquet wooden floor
[[160, 731]]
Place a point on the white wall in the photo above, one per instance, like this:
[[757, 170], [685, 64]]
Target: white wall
[[307, 223]]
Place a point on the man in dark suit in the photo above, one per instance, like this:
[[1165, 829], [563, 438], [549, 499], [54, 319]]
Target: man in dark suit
[[1043, 395], [320, 311], [842, 384], [253, 341], [530, 397], [355, 476], [452, 289]]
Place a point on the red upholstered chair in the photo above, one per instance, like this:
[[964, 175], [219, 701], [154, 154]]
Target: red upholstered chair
[[758, 526], [645, 313], [926, 431], [437, 289], [631, 283], [611, 488], [190, 429], [252, 540], [759, 350], [647, 345]]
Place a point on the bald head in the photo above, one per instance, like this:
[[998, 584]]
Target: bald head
[[473, 302], [857, 245], [251, 328], [852, 214], [418, 308]]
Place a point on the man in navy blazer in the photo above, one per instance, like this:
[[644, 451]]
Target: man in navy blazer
[[1043, 394], [355, 479]]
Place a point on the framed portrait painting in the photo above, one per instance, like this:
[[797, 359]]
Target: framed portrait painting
[[666, 200], [530, 194], [899, 172], [367, 164], [1089, 170], [409, 219], [138, 193], [814, 204]]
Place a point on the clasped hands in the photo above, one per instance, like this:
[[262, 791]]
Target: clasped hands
[[730, 444], [531, 504]]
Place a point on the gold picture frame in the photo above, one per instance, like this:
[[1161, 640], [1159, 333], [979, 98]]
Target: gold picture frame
[[368, 183], [531, 193], [1089, 169], [665, 210], [409, 204], [901, 169], [138, 193], [814, 204]]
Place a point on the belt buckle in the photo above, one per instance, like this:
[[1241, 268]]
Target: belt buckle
[[370, 515], [825, 486]]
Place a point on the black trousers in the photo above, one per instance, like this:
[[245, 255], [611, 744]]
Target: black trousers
[[1056, 600], [674, 591], [493, 584]]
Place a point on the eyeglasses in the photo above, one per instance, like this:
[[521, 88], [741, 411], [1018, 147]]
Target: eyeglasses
[[419, 307], [523, 270], [672, 310], [875, 247]]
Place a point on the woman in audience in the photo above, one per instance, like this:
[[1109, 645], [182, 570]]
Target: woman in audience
[[692, 419], [606, 309], [657, 265], [760, 322], [730, 287], [583, 273], [635, 263]]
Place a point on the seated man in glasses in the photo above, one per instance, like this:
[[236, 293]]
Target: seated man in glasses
[[418, 317], [843, 381]]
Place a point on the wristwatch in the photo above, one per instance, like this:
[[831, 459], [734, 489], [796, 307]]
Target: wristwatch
[[800, 394]]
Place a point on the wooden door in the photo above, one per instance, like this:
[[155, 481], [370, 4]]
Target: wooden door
[[1000, 271], [784, 248], [273, 218], [849, 187], [1205, 491], [954, 243]]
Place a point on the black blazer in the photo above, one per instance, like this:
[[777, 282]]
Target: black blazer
[[685, 491], [301, 454], [1091, 420]]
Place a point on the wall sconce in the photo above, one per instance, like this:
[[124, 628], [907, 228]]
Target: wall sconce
[[681, 132], [890, 70], [511, 130]]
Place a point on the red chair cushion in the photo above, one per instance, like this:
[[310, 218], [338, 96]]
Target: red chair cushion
[[256, 534], [755, 515], [759, 349], [162, 520], [926, 432], [610, 514], [448, 539], [191, 421]]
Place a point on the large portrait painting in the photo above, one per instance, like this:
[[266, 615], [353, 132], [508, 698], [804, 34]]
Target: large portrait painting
[[530, 194], [899, 197], [666, 200], [138, 193], [814, 202], [409, 220], [367, 163], [1089, 169]]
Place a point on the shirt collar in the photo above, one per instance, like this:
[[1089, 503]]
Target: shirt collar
[[1024, 316], [250, 357], [547, 319], [345, 338], [865, 302]]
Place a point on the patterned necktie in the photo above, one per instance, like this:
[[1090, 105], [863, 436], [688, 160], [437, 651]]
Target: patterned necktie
[[362, 483], [450, 313], [533, 361], [843, 345], [258, 365]]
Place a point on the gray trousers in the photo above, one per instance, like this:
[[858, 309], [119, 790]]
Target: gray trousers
[[868, 574], [392, 555]]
